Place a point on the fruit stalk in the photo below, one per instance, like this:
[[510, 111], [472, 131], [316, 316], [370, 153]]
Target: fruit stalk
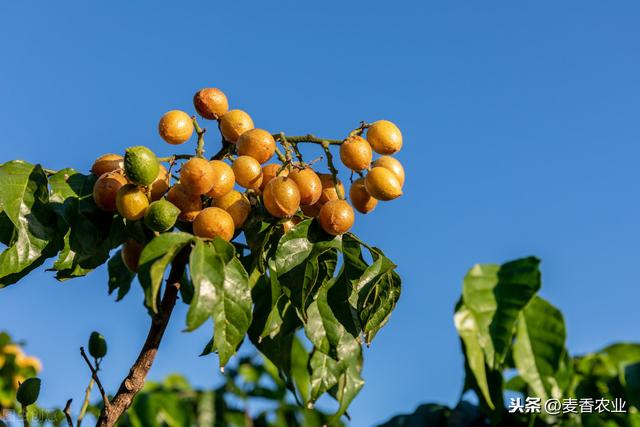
[[134, 381], [200, 132], [332, 168]]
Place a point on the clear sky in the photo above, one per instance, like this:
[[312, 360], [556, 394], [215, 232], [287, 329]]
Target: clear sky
[[521, 132]]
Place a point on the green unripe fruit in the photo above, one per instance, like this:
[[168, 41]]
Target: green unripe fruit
[[161, 215], [141, 165], [28, 391], [97, 345]]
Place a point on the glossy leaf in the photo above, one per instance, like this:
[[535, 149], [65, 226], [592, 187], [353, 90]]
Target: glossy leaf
[[154, 260], [222, 292], [539, 346], [37, 233], [495, 295]]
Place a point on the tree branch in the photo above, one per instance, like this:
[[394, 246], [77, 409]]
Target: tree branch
[[94, 375], [67, 413], [134, 381]]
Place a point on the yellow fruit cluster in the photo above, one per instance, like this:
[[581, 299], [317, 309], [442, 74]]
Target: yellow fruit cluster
[[217, 195], [15, 367]]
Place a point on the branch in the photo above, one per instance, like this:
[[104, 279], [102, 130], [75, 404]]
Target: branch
[[307, 138], [332, 168], [134, 381], [94, 375], [67, 412]]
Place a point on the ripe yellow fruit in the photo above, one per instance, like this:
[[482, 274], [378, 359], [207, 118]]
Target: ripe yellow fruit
[[309, 184], [290, 223], [382, 184], [223, 178], [29, 362], [234, 123], [393, 165], [211, 103], [11, 349], [107, 163], [236, 204], [197, 176], [336, 217], [160, 185], [269, 172], [360, 197], [329, 188], [355, 153], [384, 137], [248, 172], [281, 197], [189, 205], [256, 143], [106, 188], [175, 127], [130, 254], [212, 223], [131, 202]]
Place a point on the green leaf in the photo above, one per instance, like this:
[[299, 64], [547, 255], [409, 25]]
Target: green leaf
[[154, 260], [222, 287], [469, 332], [495, 295], [322, 327], [91, 233], [350, 382], [304, 241], [120, 277], [37, 233], [207, 273], [325, 372], [539, 346], [300, 360]]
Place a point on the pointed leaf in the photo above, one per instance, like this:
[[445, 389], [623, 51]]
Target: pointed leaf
[[539, 345], [154, 260]]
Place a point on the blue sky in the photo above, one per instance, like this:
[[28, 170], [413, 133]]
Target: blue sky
[[521, 132]]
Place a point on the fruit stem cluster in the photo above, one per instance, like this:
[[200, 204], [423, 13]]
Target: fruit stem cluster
[[306, 138], [96, 379]]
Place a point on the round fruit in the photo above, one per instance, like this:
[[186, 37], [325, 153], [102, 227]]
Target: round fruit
[[269, 172], [175, 127], [161, 215], [131, 202], [196, 176], [281, 197], [289, 224], [384, 137], [360, 197], [211, 103], [248, 172], [312, 210], [160, 185], [329, 188], [336, 217], [130, 254], [105, 190], [234, 123], [97, 345], [309, 184], [236, 204], [212, 223], [355, 153], [189, 205], [223, 178], [107, 163], [141, 165], [28, 392], [382, 184], [393, 165], [257, 143]]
